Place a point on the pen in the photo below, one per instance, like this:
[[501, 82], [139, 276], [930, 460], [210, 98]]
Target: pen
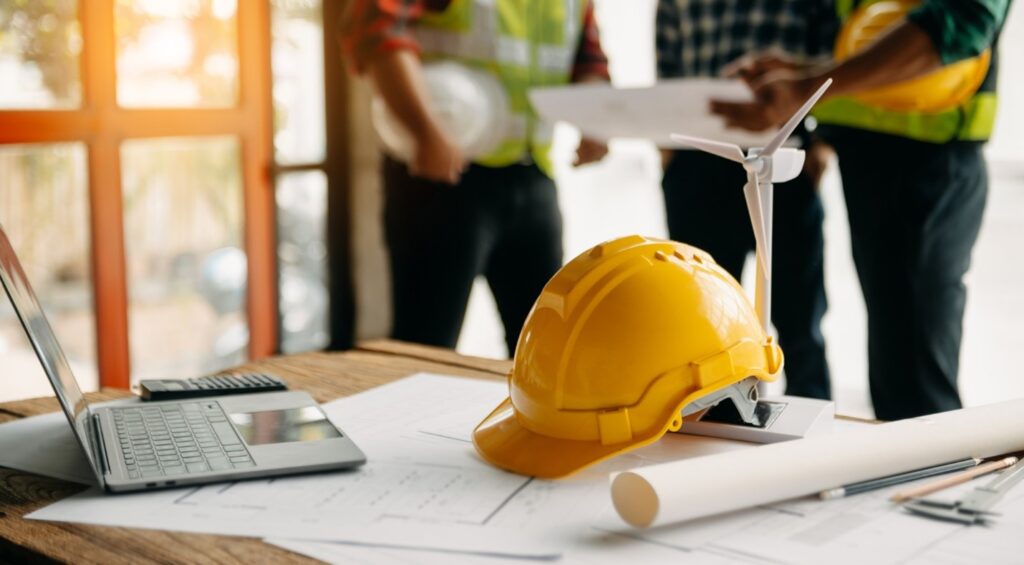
[[899, 478], [956, 479]]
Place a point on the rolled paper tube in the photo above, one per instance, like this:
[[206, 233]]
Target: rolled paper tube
[[703, 486]]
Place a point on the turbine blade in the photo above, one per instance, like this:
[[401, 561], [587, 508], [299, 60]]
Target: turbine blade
[[798, 117], [725, 150]]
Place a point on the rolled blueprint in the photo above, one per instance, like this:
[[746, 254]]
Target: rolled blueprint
[[702, 486]]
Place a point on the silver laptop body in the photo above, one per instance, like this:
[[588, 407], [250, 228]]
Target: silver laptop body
[[149, 445]]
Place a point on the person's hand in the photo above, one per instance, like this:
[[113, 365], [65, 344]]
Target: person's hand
[[589, 151], [752, 116], [816, 158], [753, 67], [436, 157], [666, 157], [777, 96], [782, 93]]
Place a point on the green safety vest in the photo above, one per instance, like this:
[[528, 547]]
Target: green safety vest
[[971, 121], [524, 44]]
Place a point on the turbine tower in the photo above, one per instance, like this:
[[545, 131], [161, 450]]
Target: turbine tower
[[765, 166]]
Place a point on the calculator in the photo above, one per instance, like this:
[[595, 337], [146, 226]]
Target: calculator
[[211, 385]]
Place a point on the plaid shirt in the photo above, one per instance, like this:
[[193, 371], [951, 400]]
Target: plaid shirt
[[696, 38]]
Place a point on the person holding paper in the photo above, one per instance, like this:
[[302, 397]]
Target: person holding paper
[[915, 186], [448, 220], [703, 203]]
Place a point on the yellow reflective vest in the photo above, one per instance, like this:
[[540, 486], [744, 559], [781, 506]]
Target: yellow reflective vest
[[523, 43], [971, 121]]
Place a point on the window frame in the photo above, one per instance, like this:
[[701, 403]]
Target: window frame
[[101, 125]]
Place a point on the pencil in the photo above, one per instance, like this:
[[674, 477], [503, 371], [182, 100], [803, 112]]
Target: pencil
[[956, 479], [900, 478]]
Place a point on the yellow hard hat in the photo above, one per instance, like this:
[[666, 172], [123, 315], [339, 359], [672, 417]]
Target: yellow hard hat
[[943, 89], [621, 339]]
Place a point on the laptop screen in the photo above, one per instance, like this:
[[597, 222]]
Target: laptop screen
[[45, 344]]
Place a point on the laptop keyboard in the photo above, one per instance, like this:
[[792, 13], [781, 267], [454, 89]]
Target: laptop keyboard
[[179, 439]]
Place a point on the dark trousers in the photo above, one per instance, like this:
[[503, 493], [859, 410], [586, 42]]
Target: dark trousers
[[502, 223], [705, 208], [915, 210]]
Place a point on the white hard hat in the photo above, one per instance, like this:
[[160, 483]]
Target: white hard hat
[[470, 105]]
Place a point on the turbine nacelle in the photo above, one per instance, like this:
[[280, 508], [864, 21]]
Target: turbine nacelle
[[786, 164]]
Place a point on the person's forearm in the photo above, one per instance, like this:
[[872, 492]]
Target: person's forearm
[[398, 77], [904, 53]]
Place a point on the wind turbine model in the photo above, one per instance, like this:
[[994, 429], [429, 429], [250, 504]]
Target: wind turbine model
[[764, 166]]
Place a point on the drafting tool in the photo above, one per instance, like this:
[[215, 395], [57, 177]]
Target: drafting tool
[[973, 508]]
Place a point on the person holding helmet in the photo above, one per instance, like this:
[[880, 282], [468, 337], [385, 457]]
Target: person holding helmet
[[698, 39], [447, 218], [907, 115]]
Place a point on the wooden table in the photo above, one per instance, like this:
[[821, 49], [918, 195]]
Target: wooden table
[[326, 376]]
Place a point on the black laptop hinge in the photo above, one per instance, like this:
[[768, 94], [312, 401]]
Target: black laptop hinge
[[99, 448]]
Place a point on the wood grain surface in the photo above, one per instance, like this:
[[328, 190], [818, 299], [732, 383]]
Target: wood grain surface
[[326, 376]]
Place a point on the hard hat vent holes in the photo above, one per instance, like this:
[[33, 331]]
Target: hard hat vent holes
[[676, 424]]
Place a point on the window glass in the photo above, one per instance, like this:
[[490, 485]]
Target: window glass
[[40, 43], [298, 65], [177, 53], [302, 260], [44, 208], [185, 255]]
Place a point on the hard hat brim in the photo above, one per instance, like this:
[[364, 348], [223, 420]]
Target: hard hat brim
[[502, 441]]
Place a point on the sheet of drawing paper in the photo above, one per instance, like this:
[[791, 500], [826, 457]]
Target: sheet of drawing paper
[[45, 445], [603, 548], [423, 486], [865, 528], [869, 528], [602, 111]]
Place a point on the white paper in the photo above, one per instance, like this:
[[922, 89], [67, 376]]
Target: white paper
[[704, 486], [855, 530], [430, 419], [865, 528], [652, 113], [998, 544], [45, 445], [423, 486], [431, 488], [603, 548], [860, 529]]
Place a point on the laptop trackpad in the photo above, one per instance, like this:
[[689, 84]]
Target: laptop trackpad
[[307, 423], [287, 430]]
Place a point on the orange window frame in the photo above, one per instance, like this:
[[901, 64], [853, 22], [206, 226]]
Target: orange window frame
[[102, 126]]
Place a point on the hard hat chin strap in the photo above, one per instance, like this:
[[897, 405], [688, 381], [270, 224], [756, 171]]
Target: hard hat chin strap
[[743, 395]]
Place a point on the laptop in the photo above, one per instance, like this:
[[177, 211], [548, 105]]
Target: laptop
[[150, 445]]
